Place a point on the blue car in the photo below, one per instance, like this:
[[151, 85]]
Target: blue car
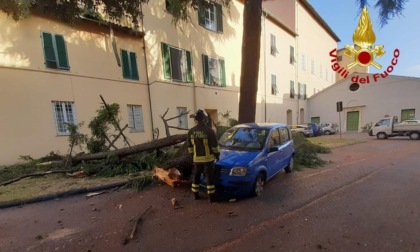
[[250, 155]]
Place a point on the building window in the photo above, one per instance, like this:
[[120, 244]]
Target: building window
[[303, 62], [210, 16], [315, 119], [183, 118], [64, 114], [292, 89], [312, 67], [320, 71], [214, 71], [176, 64], [354, 87], [129, 65], [55, 52], [274, 89], [135, 118], [407, 114], [302, 91], [273, 47], [292, 55], [340, 58]]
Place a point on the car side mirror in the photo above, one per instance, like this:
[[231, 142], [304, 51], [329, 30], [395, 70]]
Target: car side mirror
[[273, 149]]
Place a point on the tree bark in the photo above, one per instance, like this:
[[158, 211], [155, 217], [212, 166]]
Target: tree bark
[[156, 144], [251, 41]]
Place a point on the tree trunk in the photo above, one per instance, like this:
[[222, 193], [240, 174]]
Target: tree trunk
[[156, 144], [251, 41]]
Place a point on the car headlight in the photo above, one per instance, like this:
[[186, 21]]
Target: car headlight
[[238, 171]]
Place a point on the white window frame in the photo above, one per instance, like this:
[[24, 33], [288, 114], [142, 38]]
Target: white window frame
[[273, 47], [313, 67], [182, 64], [135, 120], [303, 62], [210, 20], [183, 117], [68, 116], [274, 89], [215, 69]]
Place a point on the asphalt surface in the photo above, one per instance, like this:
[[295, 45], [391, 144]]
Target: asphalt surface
[[365, 199]]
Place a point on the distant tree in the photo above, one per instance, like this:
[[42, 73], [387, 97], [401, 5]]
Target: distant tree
[[387, 9]]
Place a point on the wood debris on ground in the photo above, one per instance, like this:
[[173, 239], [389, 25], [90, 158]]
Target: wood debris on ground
[[171, 177]]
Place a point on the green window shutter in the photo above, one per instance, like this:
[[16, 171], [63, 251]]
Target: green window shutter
[[222, 73], [61, 52], [189, 66], [206, 71], [50, 60], [134, 70], [125, 64], [166, 58], [219, 16], [201, 13]]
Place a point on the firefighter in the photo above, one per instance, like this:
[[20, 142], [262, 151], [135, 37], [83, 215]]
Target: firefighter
[[202, 144]]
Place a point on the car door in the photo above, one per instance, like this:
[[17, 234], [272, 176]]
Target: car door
[[286, 146], [274, 156]]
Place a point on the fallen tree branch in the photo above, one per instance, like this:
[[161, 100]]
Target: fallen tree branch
[[153, 145], [136, 223], [32, 175]]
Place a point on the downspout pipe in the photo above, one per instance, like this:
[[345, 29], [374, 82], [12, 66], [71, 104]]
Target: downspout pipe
[[147, 71]]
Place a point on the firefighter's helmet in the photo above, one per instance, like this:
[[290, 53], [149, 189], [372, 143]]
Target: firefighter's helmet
[[200, 115]]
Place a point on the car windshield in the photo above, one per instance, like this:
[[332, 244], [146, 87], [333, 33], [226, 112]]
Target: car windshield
[[244, 138]]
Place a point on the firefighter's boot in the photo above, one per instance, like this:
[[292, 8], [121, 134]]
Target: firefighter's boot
[[196, 196], [212, 197]]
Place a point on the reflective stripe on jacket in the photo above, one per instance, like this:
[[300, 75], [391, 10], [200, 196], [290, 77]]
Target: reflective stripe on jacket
[[202, 142]]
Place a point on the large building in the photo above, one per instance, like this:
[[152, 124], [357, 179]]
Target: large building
[[52, 73], [366, 103]]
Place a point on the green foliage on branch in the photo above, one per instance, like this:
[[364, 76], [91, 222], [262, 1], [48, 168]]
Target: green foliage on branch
[[69, 10], [307, 152], [99, 126]]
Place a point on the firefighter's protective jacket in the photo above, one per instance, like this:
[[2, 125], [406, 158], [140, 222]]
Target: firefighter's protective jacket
[[202, 142]]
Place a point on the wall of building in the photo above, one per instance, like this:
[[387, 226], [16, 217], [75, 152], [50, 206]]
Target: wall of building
[[28, 87], [373, 101], [314, 44]]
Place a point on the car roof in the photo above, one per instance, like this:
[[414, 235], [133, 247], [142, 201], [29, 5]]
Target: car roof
[[260, 125]]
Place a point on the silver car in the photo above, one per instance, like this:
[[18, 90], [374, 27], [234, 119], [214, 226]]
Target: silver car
[[329, 128]]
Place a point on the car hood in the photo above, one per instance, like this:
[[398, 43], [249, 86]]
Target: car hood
[[231, 158]]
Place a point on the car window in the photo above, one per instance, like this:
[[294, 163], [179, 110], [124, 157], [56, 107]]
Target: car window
[[275, 138], [284, 135], [384, 122], [244, 138]]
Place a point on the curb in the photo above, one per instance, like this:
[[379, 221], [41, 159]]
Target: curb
[[61, 195]]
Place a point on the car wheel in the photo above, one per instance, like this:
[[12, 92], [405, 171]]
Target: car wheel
[[381, 135], [259, 184], [414, 136], [289, 167], [327, 132]]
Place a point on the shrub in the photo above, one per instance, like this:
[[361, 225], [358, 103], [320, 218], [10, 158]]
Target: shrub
[[307, 152]]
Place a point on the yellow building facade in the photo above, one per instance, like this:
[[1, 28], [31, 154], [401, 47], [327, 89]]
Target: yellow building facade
[[52, 73]]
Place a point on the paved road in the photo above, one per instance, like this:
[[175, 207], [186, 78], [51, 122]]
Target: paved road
[[365, 199]]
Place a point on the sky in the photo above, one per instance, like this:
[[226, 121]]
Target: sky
[[401, 32]]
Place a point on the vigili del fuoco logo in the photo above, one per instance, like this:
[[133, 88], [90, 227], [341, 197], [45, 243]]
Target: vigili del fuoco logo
[[364, 52]]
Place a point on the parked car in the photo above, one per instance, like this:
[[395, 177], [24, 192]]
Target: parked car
[[304, 129], [329, 128], [316, 128], [250, 155]]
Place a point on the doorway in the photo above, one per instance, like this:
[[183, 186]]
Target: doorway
[[352, 121]]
